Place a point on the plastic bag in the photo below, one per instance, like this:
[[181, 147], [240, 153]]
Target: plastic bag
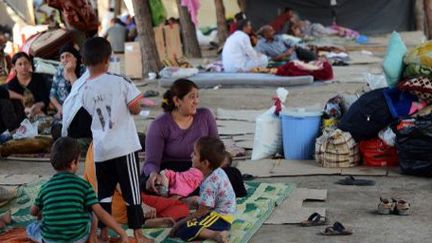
[[176, 72], [268, 131], [375, 81], [26, 130], [388, 136]]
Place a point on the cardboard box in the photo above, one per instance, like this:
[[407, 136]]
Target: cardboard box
[[133, 65]]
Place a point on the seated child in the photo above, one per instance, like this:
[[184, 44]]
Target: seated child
[[217, 201], [180, 183], [64, 203]]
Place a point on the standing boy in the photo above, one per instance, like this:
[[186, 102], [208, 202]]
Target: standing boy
[[111, 100], [65, 201]]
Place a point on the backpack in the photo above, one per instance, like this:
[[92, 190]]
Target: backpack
[[336, 149], [367, 116]]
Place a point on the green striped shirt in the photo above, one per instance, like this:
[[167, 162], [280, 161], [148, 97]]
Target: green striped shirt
[[65, 202]]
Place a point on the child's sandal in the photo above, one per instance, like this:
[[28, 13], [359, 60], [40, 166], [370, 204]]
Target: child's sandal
[[385, 207], [314, 220], [402, 207]]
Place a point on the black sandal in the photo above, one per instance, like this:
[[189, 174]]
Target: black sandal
[[351, 181], [336, 229], [315, 219]]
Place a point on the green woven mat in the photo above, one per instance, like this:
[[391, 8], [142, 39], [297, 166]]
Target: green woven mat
[[252, 210]]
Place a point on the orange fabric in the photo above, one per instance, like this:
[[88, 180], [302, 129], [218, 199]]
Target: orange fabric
[[16, 235], [118, 211], [166, 207]]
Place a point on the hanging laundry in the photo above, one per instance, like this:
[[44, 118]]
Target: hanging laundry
[[192, 6]]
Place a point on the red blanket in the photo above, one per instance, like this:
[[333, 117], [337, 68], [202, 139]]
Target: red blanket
[[320, 70]]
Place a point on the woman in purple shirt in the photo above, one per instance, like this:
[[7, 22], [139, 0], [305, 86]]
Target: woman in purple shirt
[[171, 137]]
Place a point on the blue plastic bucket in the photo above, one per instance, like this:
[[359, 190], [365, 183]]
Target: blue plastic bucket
[[299, 131]]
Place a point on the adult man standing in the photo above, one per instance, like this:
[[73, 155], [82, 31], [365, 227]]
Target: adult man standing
[[238, 54]]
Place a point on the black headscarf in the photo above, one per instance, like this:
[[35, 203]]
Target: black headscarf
[[69, 48]]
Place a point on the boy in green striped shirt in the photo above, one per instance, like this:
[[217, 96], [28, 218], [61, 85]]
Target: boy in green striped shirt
[[64, 203]]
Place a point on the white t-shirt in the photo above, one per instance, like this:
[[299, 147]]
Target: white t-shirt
[[238, 55], [106, 98]]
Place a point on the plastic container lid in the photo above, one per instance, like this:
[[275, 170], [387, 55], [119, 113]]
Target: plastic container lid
[[301, 112]]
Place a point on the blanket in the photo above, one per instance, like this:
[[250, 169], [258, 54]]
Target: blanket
[[252, 210]]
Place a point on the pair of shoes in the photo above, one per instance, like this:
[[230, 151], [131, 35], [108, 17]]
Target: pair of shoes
[[337, 229], [393, 206]]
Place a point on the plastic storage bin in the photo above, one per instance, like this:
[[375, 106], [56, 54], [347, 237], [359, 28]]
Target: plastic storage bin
[[300, 128]]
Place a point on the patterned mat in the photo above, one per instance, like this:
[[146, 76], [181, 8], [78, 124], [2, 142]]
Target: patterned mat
[[252, 210]]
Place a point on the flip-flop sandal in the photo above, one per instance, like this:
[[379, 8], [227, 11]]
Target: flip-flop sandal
[[336, 229], [315, 219], [351, 181]]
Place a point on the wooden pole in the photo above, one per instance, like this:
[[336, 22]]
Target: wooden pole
[[190, 40], [428, 15], [242, 5], [419, 15], [149, 55], [221, 22]]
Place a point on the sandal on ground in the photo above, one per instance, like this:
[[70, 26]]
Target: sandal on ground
[[336, 229], [247, 177], [401, 207], [350, 180], [314, 220], [386, 206]]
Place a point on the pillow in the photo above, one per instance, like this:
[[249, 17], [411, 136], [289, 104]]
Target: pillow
[[422, 55], [393, 61], [417, 70], [420, 87]]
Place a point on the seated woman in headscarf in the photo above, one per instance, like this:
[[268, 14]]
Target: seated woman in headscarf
[[26, 95]]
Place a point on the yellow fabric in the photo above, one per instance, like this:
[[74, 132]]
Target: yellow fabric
[[422, 54], [227, 217], [118, 211]]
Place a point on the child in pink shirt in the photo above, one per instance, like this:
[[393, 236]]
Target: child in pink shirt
[[180, 183]]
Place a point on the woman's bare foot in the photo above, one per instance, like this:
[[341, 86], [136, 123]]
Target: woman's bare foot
[[222, 237], [6, 218], [167, 222], [140, 238]]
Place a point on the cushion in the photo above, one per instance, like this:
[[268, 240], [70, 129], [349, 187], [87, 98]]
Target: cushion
[[393, 61], [416, 70], [422, 55], [420, 87]]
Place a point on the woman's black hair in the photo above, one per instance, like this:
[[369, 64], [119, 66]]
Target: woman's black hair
[[22, 54], [242, 23], [180, 88]]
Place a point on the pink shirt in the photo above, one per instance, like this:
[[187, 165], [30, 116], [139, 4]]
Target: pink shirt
[[183, 183]]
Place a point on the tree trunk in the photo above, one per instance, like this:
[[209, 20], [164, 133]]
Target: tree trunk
[[190, 41], [242, 5], [428, 15], [117, 7], [221, 22], [149, 56], [419, 15]]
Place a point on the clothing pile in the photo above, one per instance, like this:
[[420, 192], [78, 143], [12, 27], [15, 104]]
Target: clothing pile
[[320, 69], [391, 125]]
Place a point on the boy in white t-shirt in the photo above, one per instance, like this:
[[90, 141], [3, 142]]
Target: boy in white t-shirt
[[111, 100]]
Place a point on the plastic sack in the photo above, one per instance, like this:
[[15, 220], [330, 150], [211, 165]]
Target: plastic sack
[[176, 72], [413, 144], [268, 130], [377, 153], [387, 136], [26, 130], [375, 81]]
